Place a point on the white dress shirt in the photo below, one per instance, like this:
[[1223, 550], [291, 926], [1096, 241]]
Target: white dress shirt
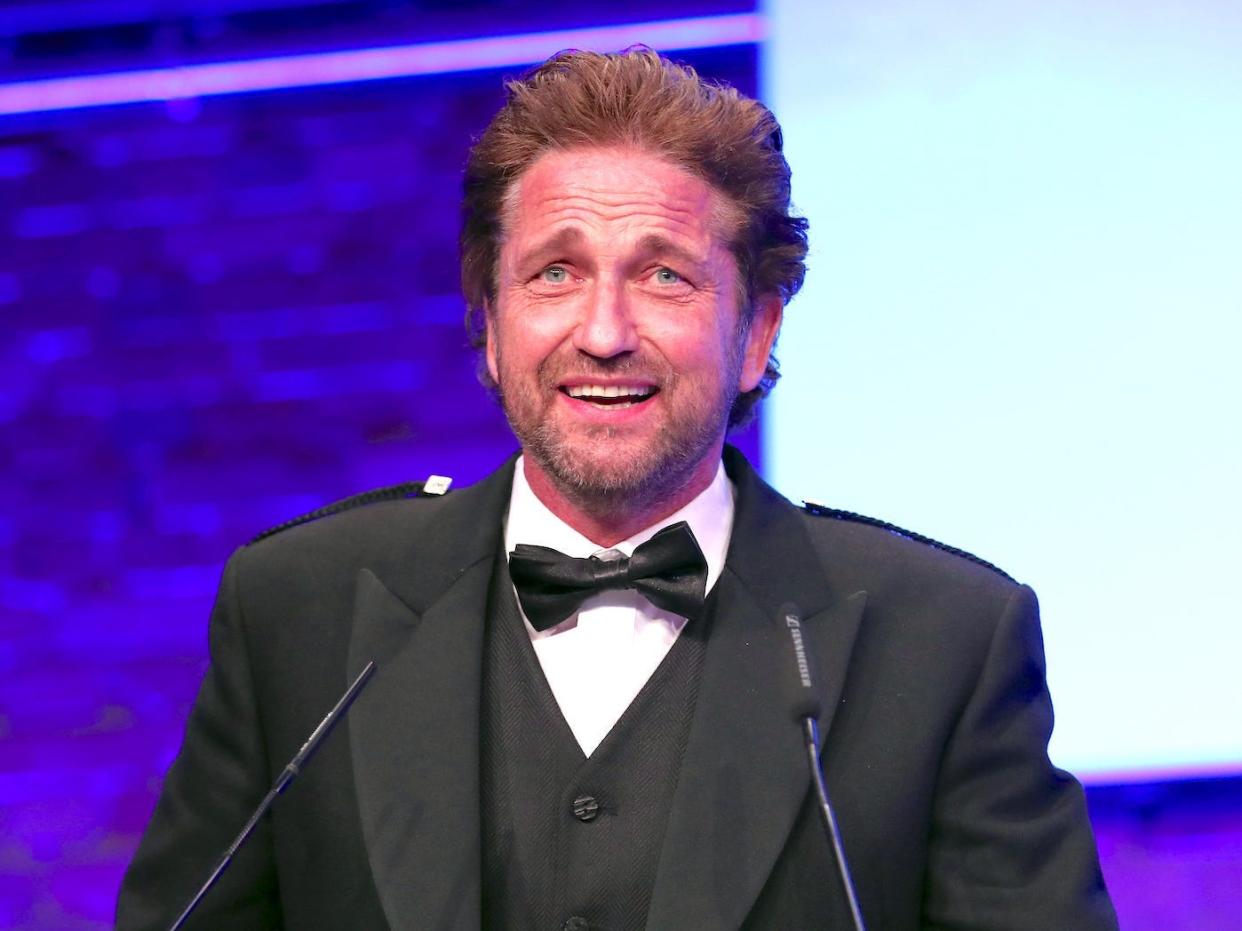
[[597, 660]]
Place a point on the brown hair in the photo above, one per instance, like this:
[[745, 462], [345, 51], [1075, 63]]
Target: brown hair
[[638, 98]]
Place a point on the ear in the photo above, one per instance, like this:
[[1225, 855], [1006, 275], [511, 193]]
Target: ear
[[765, 324], [490, 332]]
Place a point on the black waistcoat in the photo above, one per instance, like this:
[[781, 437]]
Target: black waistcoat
[[570, 841]]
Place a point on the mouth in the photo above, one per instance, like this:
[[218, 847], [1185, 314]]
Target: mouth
[[611, 396]]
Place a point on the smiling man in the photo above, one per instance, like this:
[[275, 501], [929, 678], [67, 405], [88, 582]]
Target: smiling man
[[618, 334], [583, 715]]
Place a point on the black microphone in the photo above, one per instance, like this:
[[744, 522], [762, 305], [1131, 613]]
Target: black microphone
[[806, 710], [290, 772]]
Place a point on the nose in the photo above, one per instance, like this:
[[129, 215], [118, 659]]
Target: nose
[[606, 328]]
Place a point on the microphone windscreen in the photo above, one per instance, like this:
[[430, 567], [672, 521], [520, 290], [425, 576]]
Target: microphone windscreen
[[805, 698]]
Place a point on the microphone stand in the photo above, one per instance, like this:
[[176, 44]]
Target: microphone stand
[[287, 776], [806, 708], [810, 730]]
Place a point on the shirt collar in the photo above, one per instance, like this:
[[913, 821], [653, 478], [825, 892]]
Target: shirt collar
[[709, 514]]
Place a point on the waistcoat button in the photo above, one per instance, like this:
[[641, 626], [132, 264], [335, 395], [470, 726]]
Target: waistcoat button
[[576, 923], [585, 809]]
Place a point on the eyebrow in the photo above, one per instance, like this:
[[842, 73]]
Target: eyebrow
[[655, 244], [557, 242]]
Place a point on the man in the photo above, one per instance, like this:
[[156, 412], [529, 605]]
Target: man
[[558, 735]]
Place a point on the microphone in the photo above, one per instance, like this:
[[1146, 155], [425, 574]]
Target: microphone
[[806, 710], [290, 772]]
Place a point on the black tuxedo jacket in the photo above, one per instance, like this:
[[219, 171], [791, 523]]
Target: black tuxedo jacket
[[931, 678]]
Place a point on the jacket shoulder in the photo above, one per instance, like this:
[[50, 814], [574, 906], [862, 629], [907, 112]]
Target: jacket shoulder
[[434, 486], [876, 526]]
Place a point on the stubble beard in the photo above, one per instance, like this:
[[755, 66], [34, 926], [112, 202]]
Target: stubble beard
[[603, 469]]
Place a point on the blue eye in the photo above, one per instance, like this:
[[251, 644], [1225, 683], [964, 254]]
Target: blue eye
[[554, 274], [667, 276]]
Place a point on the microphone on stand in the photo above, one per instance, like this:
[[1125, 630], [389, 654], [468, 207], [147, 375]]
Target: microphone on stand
[[290, 772], [806, 710]]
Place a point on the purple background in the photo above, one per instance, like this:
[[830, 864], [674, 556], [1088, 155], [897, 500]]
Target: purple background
[[221, 313]]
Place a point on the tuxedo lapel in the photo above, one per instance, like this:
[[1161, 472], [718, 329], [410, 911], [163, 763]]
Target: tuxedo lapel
[[744, 776], [414, 731]]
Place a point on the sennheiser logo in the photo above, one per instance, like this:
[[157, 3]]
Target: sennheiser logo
[[795, 632]]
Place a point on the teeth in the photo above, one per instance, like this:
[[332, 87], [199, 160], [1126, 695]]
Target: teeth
[[608, 391]]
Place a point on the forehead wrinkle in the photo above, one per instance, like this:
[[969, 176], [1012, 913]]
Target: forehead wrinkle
[[624, 198], [683, 202], [668, 220]]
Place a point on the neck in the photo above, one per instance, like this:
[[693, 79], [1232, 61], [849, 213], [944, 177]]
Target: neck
[[607, 519]]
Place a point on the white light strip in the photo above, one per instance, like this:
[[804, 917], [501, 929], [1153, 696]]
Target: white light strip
[[370, 64]]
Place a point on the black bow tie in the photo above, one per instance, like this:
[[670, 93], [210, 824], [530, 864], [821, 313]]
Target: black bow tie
[[669, 570]]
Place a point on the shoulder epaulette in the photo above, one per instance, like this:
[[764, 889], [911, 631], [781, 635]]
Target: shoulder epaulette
[[434, 486], [822, 510]]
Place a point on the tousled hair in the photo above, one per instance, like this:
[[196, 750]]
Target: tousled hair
[[639, 99]]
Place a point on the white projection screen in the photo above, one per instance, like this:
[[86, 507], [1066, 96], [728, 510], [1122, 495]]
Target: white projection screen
[[1022, 326]]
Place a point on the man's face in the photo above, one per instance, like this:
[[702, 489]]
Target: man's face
[[615, 338]]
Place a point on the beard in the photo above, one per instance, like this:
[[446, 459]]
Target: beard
[[611, 469]]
